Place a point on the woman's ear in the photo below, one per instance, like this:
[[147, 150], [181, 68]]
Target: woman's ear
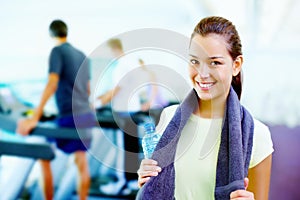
[[237, 65]]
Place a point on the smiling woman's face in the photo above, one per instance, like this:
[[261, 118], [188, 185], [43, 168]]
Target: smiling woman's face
[[211, 67]]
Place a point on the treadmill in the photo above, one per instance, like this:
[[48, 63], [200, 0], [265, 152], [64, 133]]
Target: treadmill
[[24, 153]]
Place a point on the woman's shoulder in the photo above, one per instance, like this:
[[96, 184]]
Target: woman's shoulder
[[261, 131], [262, 143], [170, 109], [165, 117], [259, 126]]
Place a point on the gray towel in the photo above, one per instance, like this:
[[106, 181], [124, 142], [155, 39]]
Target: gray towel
[[233, 157]]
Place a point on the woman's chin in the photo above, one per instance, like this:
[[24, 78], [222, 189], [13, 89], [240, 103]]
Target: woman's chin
[[206, 96]]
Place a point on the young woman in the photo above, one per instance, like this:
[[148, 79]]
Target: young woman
[[211, 146]]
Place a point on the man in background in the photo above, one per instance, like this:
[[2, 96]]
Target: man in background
[[68, 79]]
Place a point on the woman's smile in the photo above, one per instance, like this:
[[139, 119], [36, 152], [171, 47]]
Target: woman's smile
[[206, 86]]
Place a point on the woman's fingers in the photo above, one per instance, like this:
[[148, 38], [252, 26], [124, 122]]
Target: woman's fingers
[[148, 162], [142, 181], [241, 194], [246, 183], [148, 168], [153, 168], [144, 174]]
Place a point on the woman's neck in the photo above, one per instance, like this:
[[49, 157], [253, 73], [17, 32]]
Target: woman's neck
[[211, 109]]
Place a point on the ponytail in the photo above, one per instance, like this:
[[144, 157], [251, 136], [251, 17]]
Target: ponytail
[[236, 84]]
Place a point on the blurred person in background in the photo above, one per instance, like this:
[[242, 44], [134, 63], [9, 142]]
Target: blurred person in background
[[68, 79], [151, 97], [129, 76]]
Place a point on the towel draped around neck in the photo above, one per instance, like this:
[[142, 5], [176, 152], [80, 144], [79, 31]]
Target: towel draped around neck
[[233, 156]]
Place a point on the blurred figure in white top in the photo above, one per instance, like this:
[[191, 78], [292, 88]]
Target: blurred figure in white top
[[134, 90]]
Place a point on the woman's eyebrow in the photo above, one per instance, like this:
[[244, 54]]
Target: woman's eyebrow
[[193, 55], [209, 58], [215, 57]]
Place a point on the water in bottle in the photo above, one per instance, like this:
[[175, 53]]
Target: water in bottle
[[150, 139]]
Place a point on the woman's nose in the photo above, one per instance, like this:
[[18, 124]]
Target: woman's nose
[[203, 71]]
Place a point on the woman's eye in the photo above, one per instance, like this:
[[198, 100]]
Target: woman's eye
[[215, 63], [194, 62]]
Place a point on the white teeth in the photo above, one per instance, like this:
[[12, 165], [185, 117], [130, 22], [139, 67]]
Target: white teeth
[[206, 85]]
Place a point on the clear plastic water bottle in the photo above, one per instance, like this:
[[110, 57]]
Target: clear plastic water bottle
[[150, 139]]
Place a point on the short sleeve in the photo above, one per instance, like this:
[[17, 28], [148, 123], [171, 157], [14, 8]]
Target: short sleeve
[[262, 143], [165, 117], [87, 64], [55, 61]]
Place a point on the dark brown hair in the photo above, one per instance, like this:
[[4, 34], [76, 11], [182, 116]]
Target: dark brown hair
[[58, 28], [223, 27]]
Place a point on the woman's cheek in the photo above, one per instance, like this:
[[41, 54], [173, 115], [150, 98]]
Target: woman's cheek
[[193, 73]]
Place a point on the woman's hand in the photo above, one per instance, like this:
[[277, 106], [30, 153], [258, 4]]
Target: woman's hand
[[147, 169], [242, 194]]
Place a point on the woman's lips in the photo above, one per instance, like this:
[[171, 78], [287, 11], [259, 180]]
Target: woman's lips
[[206, 85]]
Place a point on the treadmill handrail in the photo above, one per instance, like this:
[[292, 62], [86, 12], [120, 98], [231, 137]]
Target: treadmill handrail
[[36, 151], [9, 124]]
